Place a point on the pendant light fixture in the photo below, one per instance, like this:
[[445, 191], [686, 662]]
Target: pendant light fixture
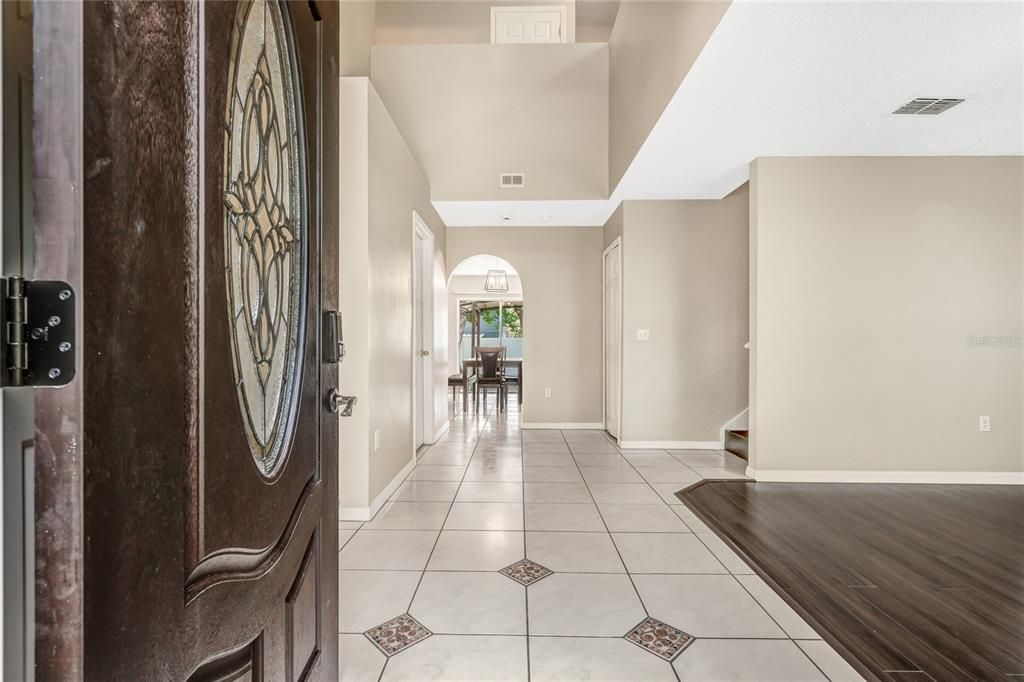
[[497, 279]]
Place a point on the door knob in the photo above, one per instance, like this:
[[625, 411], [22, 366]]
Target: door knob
[[424, 353], [341, 404]]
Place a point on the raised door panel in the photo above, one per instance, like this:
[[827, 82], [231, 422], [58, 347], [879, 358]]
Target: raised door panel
[[244, 664], [514, 25], [303, 617]]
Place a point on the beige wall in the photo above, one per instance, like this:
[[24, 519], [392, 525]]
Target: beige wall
[[613, 228], [685, 278], [381, 186], [357, 19], [653, 44], [871, 277], [438, 22], [354, 290], [592, 33], [594, 20], [560, 269], [470, 112]]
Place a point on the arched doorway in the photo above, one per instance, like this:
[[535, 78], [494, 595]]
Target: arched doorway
[[485, 308]]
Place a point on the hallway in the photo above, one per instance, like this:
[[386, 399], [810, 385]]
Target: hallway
[[551, 555]]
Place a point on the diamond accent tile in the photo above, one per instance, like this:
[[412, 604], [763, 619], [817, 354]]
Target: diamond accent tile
[[526, 572], [398, 634], [664, 641]]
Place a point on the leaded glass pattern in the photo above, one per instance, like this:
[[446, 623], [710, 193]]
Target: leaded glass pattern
[[264, 228]]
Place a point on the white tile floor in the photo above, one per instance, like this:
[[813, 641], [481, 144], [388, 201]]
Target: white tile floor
[[619, 544]]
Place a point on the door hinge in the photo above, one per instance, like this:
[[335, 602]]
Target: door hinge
[[38, 330]]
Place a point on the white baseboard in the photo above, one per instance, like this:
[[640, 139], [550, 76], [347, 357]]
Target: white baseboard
[[440, 432], [353, 513], [367, 513], [568, 426], [951, 477], [670, 445]]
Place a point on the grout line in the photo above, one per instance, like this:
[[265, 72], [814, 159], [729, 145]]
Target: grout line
[[642, 603], [492, 417], [476, 444], [609, 532], [526, 588], [808, 657], [478, 570], [548, 530], [728, 572], [609, 637], [342, 545], [637, 472], [683, 522], [763, 607]]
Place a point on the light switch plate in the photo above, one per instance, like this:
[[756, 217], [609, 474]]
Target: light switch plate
[[984, 424], [643, 334]]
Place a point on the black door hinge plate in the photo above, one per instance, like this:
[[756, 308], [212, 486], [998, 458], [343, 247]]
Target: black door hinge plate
[[38, 330]]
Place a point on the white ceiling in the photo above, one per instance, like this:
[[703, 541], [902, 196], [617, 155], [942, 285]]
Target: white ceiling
[[805, 78], [822, 78]]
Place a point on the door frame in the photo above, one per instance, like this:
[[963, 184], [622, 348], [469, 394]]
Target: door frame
[[616, 243], [17, 405], [58, 175], [423, 299]]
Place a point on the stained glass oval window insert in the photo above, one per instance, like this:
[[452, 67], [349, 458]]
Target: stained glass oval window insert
[[264, 226]]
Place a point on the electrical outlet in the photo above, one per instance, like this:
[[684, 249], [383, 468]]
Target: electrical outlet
[[547, 392], [643, 334], [984, 424], [376, 440]]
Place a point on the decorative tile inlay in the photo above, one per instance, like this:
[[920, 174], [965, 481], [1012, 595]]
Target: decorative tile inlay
[[398, 634], [664, 641], [526, 572]]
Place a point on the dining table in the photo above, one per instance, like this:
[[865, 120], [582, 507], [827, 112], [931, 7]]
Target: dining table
[[516, 363]]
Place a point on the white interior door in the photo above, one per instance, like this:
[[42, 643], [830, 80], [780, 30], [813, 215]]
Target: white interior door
[[417, 343], [528, 25], [423, 332], [612, 338]]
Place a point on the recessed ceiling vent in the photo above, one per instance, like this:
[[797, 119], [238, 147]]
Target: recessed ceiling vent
[[927, 106], [506, 180]]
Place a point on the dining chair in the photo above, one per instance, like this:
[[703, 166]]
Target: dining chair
[[465, 380], [491, 374]]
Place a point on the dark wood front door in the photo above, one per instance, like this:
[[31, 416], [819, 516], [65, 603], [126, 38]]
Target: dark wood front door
[[208, 463]]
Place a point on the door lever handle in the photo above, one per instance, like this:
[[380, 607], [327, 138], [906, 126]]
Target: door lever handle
[[341, 404]]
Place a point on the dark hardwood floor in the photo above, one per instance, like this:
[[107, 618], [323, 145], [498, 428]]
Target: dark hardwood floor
[[908, 582]]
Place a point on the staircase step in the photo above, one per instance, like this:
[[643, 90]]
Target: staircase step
[[736, 441]]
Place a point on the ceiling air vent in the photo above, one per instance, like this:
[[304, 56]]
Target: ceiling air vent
[[927, 106], [512, 180]]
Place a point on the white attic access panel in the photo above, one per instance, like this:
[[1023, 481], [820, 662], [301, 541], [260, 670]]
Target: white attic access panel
[[529, 24]]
